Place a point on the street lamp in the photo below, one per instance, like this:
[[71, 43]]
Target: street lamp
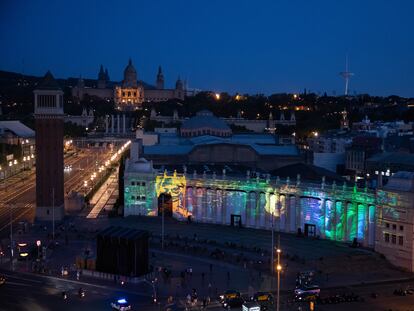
[[278, 269], [38, 243]]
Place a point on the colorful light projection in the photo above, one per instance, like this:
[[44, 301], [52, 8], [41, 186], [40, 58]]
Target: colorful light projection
[[175, 186], [339, 215]]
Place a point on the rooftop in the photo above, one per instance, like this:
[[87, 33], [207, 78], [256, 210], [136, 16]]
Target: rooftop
[[18, 128]]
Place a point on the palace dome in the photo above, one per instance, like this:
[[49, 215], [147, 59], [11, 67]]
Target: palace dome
[[130, 75]]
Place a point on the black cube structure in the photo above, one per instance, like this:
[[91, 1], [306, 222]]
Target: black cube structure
[[122, 251]]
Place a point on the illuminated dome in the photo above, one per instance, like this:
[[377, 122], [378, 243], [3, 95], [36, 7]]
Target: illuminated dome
[[130, 75], [205, 123]]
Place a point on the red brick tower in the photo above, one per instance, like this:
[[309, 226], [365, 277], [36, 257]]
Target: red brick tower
[[49, 150]]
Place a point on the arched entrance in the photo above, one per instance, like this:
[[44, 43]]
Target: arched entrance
[[165, 202]]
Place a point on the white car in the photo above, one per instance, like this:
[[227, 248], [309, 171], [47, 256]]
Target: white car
[[309, 290], [121, 305]]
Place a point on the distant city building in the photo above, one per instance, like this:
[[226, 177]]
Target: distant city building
[[84, 120], [208, 139], [15, 132], [131, 93], [204, 123], [49, 117], [395, 220], [361, 149], [256, 125]]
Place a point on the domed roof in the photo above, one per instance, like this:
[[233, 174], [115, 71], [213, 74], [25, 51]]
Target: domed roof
[[141, 165], [205, 119], [130, 75]]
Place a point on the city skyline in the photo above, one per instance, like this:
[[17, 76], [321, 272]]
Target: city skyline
[[232, 47]]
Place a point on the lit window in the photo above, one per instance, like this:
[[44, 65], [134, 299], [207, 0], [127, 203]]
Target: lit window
[[400, 240]]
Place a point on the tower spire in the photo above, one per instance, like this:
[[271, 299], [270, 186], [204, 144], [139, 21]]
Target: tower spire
[[346, 75]]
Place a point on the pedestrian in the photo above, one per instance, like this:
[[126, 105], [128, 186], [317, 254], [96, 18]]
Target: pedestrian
[[62, 270], [77, 275]]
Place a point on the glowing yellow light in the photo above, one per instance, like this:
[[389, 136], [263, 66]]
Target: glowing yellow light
[[279, 268], [217, 96]]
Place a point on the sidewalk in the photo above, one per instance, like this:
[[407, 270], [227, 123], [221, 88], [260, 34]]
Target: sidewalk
[[102, 198]]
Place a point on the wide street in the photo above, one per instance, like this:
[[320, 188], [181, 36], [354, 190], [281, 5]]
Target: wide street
[[18, 194], [36, 292]]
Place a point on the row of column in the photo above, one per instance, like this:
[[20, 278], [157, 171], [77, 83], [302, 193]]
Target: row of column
[[118, 122], [333, 219]]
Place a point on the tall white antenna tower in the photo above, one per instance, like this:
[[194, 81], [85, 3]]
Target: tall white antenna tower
[[346, 75]]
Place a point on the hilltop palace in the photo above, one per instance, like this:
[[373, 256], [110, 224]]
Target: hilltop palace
[[130, 93]]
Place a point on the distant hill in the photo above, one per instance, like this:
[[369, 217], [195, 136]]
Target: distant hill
[[10, 79]]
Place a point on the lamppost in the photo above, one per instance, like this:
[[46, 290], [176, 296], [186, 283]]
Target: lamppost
[[279, 269], [11, 237], [38, 243]]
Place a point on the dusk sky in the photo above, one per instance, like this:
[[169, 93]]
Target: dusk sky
[[234, 46]]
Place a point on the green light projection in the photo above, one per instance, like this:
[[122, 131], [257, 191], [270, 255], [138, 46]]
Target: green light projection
[[338, 214]]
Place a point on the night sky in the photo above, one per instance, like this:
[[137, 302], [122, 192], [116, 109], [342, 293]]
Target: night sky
[[234, 46]]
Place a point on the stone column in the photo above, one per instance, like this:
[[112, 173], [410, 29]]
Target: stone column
[[106, 124], [366, 226], [112, 124], [323, 227], [285, 217], [257, 210], [123, 124], [245, 209], [118, 124], [268, 215], [224, 206], [298, 211], [345, 213]]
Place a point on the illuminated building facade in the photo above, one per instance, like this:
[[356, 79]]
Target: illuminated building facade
[[336, 212], [395, 221], [131, 92]]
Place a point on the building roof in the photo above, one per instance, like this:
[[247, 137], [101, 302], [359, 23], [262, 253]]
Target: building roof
[[401, 181], [393, 158], [18, 128], [141, 166], [204, 119], [231, 170], [48, 83], [307, 172], [171, 144]]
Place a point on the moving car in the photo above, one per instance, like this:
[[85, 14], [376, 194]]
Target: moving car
[[121, 305], [229, 294], [307, 293], [236, 302], [264, 299]]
